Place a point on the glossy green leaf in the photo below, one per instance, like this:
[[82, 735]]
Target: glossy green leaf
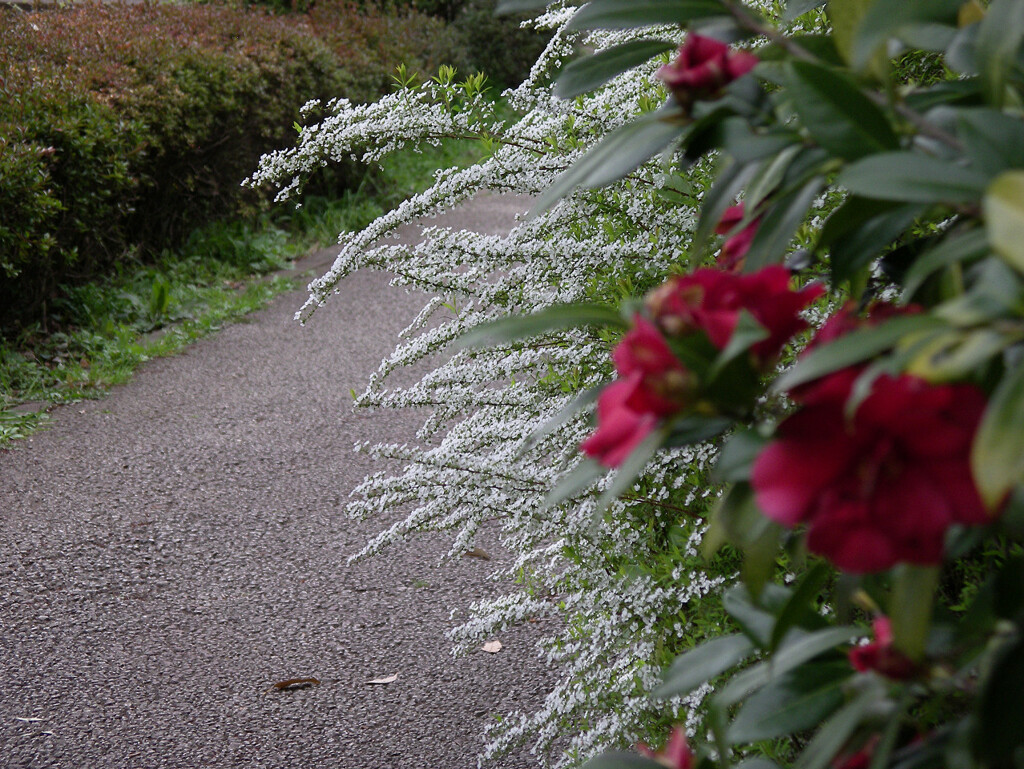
[[554, 318], [519, 6], [887, 19], [1003, 209], [795, 651], [837, 114], [562, 416], [621, 760], [618, 154], [997, 457], [860, 230], [854, 347], [910, 608], [957, 247], [627, 473], [910, 177], [737, 456], [796, 8], [591, 72], [957, 355], [800, 699], [626, 14], [578, 480], [999, 737], [704, 663], [778, 227], [835, 732], [993, 140], [753, 618], [1000, 35], [800, 604], [729, 180]]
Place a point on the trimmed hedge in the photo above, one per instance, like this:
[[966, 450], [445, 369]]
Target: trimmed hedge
[[124, 127]]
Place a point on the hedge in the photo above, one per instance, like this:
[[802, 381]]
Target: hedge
[[124, 127]]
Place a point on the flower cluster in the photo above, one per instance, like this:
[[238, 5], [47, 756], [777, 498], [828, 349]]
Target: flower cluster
[[703, 68], [701, 307], [883, 484]]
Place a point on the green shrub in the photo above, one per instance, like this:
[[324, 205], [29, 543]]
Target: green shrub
[[127, 126], [497, 45]]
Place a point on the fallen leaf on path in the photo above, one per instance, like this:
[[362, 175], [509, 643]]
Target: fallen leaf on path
[[293, 683], [492, 647], [385, 680], [477, 552]]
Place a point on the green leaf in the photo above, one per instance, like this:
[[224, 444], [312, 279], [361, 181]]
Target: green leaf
[[629, 471], [745, 335], [887, 19], [754, 620], [957, 247], [518, 6], [778, 227], [1000, 34], [859, 230], [555, 318], [620, 760], [797, 650], [563, 415], [997, 457], [1003, 209], [735, 519], [801, 603], [702, 664], [696, 428], [854, 347], [956, 355], [798, 700], [769, 176], [626, 14], [994, 293], [591, 72], [579, 478], [618, 154], [913, 178], [999, 737], [910, 608], [796, 8], [736, 457], [837, 114], [994, 141], [760, 557], [834, 734], [728, 183]]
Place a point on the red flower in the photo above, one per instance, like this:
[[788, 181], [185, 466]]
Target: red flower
[[710, 300], [620, 429], [704, 67], [665, 385], [880, 488], [675, 755], [735, 247], [880, 656]]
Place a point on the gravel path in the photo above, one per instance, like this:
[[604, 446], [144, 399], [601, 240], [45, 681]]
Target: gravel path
[[171, 552]]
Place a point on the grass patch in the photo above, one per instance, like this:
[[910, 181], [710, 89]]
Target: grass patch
[[97, 334]]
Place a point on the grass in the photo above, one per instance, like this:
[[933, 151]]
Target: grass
[[96, 335]]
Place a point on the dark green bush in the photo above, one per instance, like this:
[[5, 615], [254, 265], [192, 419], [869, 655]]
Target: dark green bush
[[497, 45], [125, 127]]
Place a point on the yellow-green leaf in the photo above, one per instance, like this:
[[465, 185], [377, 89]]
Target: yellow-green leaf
[[1003, 208], [997, 457]]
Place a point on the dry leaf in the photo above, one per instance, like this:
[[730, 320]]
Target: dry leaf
[[492, 647], [292, 684], [477, 552], [385, 680]]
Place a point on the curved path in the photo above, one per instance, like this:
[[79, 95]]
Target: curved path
[[171, 552]]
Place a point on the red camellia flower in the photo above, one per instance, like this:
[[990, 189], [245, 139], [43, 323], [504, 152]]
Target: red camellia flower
[[620, 429], [735, 247], [710, 300], [664, 385], [881, 487], [703, 68], [675, 755], [880, 656]]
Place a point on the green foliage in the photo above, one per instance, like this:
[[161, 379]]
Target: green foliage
[[127, 126]]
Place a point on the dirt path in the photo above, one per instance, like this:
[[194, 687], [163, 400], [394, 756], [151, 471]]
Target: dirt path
[[170, 552]]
